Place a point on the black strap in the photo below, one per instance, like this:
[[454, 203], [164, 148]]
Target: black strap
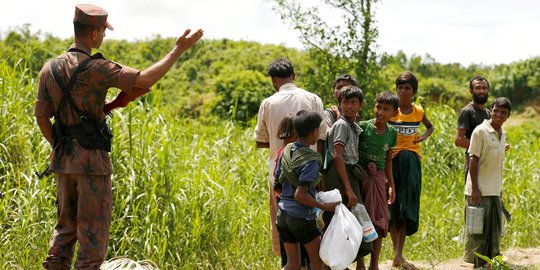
[[66, 96]]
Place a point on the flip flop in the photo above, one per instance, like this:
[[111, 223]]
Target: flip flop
[[405, 266]]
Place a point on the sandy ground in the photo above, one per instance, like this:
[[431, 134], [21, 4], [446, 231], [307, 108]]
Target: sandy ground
[[522, 258]]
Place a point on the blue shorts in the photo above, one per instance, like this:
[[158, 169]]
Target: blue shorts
[[296, 230]]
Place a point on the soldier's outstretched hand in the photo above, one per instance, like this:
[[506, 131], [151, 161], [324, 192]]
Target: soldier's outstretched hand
[[187, 40]]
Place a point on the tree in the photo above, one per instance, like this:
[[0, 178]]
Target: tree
[[348, 47]]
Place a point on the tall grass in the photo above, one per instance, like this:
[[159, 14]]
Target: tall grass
[[191, 194]]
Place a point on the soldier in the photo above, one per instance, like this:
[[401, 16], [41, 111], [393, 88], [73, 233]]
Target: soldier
[[72, 89]]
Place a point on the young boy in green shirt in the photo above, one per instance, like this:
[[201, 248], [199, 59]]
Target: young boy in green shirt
[[377, 140]]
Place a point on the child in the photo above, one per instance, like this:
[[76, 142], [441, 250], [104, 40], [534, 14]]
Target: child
[[332, 114], [404, 213], [298, 173], [287, 134], [377, 140], [344, 173], [484, 182], [343, 148]]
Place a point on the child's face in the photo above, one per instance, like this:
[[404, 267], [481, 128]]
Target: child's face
[[405, 92], [350, 107], [339, 84], [383, 112], [314, 136], [499, 115]]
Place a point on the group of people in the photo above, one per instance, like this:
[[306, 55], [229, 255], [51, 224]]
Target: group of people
[[376, 163]]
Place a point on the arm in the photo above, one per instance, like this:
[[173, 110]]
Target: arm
[[473, 170], [151, 75], [302, 196], [46, 127], [320, 148], [461, 140], [429, 130], [123, 99], [390, 177], [342, 172]]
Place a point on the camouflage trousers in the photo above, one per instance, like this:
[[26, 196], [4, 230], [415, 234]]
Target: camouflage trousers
[[84, 204]]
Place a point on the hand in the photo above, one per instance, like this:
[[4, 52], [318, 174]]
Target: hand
[[336, 111], [372, 168], [476, 196], [329, 206], [391, 194], [352, 198], [419, 139], [506, 147], [186, 41]]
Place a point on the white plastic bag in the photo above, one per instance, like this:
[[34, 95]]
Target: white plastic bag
[[331, 196], [342, 239]]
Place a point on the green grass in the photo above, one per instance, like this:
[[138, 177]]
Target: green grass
[[192, 194]]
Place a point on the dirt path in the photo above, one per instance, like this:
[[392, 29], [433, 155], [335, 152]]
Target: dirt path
[[528, 258]]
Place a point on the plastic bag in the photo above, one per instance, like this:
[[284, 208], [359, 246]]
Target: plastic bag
[[328, 196], [369, 234], [342, 239]]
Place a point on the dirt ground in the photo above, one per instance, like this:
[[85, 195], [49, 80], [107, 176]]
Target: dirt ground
[[522, 258]]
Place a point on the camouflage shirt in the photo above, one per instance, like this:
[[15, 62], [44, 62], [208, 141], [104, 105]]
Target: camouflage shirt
[[89, 93]]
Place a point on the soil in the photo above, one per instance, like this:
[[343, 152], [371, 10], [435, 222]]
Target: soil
[[521, 258]]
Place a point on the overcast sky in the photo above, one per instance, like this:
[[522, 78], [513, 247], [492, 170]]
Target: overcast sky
[[463, 31]]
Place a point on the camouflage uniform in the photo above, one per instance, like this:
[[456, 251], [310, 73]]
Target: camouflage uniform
[[83, 176]]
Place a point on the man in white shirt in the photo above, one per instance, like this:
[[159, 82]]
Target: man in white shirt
[[287, 99], [484, 182]]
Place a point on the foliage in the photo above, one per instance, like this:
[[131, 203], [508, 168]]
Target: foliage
[[520, 82], [497, 263], [346, 47], [191, 193]]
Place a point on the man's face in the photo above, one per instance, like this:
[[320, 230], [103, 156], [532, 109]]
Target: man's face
[[98, 35], [499, 115], [479, 91]]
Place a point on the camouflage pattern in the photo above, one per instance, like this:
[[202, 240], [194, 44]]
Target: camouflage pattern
[[83, 175], [84, 204], [89, 94], [91, 15]]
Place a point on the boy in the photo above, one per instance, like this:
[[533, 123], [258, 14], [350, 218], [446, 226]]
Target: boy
[[484, 182], [407, 170], [298, 171], [343, 172], [332, 114], [377, 140]]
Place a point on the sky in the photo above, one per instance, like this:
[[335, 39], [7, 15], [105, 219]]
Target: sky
[[459, 31]]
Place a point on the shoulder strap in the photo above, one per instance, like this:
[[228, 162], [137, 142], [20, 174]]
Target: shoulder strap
[[67, 89]]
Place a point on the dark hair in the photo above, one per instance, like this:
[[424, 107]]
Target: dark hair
[[350, 91], [285, 127], [83, 30], [502, 102], [281, 68], [345, 77], [304, 122], [387, 97], [477, 78], [407, 77]]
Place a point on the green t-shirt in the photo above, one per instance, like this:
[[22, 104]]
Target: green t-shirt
[[372, 147]]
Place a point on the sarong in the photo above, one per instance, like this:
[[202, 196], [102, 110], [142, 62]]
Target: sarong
[[407, 173], [487, 243], [376, 201]]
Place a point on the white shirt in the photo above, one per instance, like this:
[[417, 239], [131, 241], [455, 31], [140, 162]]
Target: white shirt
[[490, 150], [289, 99]]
